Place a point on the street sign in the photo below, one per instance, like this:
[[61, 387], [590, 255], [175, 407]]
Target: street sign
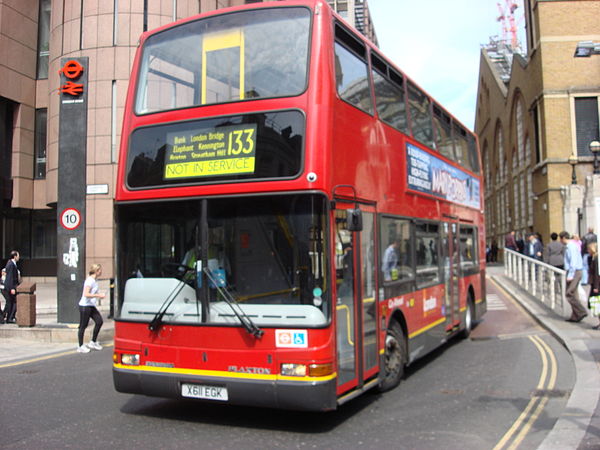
[[70, 218]]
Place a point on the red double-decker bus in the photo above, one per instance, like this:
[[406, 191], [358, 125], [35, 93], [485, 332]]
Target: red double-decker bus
[[297, 220]]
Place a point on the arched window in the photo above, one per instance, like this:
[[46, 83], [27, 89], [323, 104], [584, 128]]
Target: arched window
[[501, 154], [520, 139]]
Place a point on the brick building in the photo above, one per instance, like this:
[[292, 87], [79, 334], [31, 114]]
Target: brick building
[[537, 112]]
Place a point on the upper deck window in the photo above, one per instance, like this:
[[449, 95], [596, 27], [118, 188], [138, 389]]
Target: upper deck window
[[420, 116], [351, 71], [240, 56]]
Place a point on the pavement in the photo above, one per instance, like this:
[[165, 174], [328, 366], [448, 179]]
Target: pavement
[[20, 343], [577, 428]]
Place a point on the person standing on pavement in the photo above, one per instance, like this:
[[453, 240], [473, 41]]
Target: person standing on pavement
[[3, 294], [589, 237], [13, 279], [574, 267], [510, 242], [594, 277], [554, 252], [534, 247], [87, 310]]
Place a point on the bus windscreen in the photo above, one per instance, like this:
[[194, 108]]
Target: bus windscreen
[[224, 59]]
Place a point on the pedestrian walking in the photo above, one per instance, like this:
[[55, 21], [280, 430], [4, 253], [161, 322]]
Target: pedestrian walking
[[588, 238], [3, 294], [573, 266], [534, 247], [494, 250], [510, 242], [594, 279], [12, 280], [520, 244], [577, 240], [87, 310]]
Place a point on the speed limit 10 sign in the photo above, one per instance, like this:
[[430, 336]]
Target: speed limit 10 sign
[[70, 218]]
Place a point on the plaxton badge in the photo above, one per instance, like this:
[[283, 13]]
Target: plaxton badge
[[254, 370]]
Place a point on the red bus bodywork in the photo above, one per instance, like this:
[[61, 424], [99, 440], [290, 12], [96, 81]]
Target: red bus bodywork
[[343, 146]]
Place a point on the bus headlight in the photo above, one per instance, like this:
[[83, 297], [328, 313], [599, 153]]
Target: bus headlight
[[129, 359], [293, 370], [303, 370]]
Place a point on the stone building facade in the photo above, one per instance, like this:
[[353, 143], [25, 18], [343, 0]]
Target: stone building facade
[[537, 113]]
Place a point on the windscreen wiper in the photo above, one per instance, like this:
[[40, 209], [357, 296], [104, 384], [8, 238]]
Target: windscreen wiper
[[156, 321], [236, 308]]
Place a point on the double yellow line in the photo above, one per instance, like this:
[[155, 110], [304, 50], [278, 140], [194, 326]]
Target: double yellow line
[[517, 432]]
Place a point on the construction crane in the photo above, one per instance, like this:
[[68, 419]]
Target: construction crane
[[509, 23]]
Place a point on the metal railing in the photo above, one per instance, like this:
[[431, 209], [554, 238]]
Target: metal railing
[[544, 282]]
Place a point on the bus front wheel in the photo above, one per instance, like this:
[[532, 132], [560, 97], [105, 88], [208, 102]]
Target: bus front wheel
[[394, 357]]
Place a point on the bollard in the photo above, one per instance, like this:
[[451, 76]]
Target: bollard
[[26, 305]]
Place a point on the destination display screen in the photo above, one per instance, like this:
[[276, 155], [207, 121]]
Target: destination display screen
[[205, 153], [217, 150]]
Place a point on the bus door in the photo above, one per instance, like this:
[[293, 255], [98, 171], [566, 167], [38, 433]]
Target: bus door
[[451, 274], [356, 301]]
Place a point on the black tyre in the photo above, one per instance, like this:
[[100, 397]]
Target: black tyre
[[469, 317], [395, 358]]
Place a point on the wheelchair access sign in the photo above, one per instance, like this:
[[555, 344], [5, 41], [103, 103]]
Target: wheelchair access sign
[[291, 338]]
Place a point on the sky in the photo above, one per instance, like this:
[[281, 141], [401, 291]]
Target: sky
[[437, 43]]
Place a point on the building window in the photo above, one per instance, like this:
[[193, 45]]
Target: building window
[[500, 154], [537, 134], [43, 40], [41, 116], [7, 111], [43, 234], [520, 140], [516, 209], [586, 123], [145, 15], [523, 203]]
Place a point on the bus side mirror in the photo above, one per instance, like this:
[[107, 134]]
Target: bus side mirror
[[354, 220]]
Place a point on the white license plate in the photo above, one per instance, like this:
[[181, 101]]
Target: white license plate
[[205, 392]]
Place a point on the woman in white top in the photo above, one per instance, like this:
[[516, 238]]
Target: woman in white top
[[87, 309]]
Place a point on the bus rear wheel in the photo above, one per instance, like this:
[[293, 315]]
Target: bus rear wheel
[[394, 358]]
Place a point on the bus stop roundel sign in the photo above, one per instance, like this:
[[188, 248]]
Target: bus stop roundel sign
[[70, 218]]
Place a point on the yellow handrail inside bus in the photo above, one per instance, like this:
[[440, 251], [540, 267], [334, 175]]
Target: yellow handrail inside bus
[[338, 307], [220, 41], [243, 298]]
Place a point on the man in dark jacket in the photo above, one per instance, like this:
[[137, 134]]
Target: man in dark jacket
[[588, 239], [533, 248], [10, 287]]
